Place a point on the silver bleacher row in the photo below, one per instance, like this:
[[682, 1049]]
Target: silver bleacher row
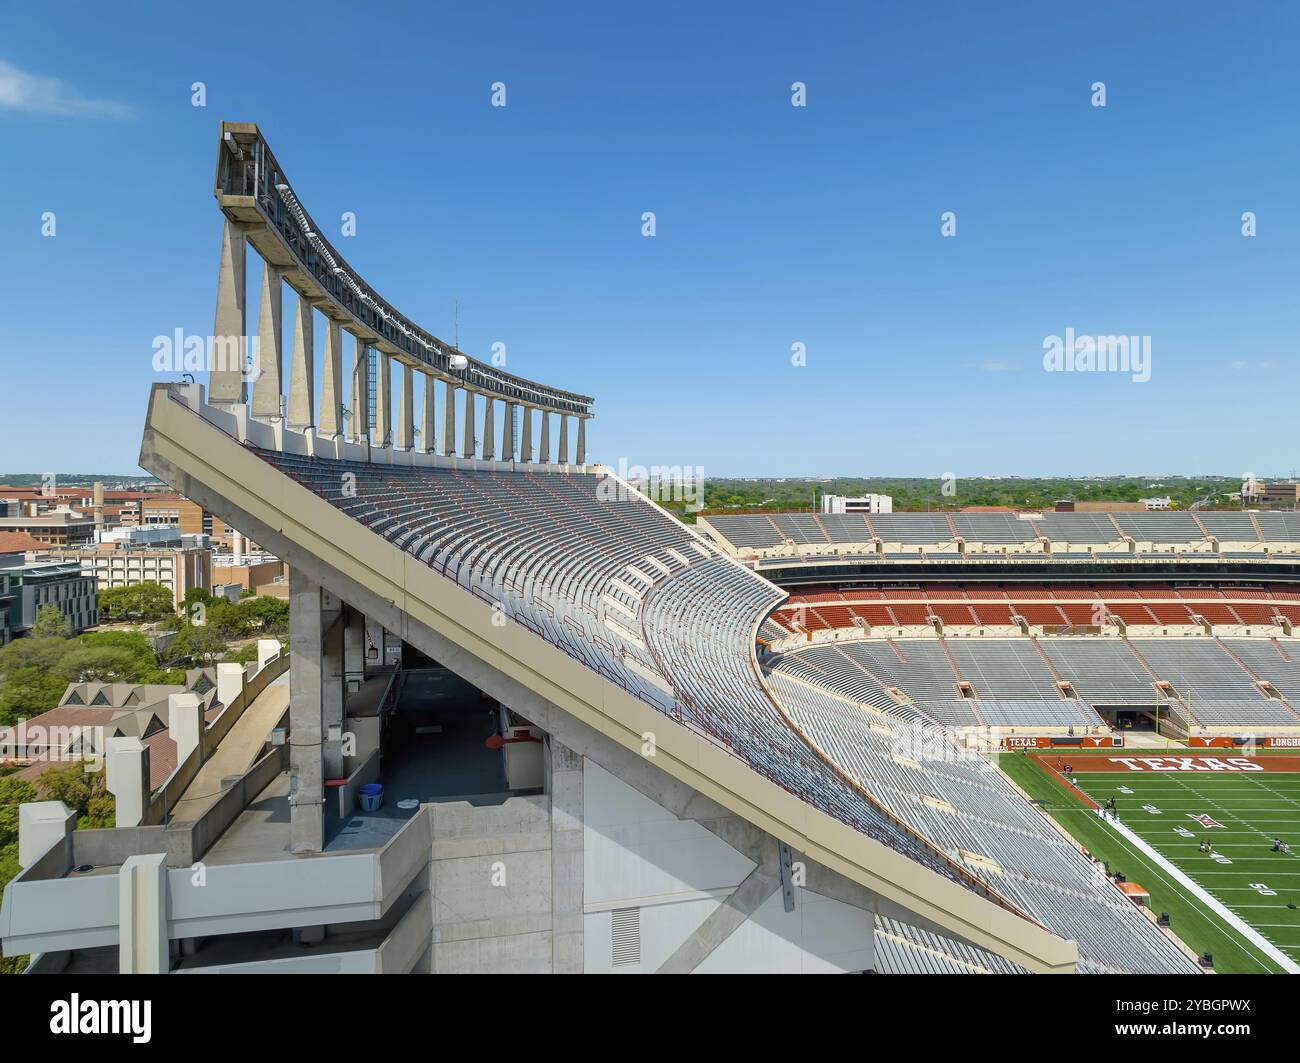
[[763, 531], [1102, 671], [901, 948], [545, 546], [969, 810]]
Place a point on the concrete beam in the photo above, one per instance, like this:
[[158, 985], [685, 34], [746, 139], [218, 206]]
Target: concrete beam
[[384, 401], [428, 433], [565, 785], [360, 390], [563, 456], [126, 775], [526, 436], [230, 682], [721, 923], [508, 432], [185, 723], [406, 410], [302, 374], [226, 381], [333, 687], [331, 388], [544, 455], [269, 382], [315, 706], [449, 419], [40, 825], [489, 429], [142, 915], [581, 457], [267, 650], [469, 428], [354, 644]]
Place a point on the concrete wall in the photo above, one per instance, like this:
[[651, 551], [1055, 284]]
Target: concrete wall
[[676, 876]]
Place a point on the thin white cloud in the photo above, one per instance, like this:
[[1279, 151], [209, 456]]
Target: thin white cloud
[[994, 366], [37, 94]]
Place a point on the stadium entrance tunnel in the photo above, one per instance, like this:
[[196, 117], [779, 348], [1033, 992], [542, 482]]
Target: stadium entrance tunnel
[[1128, 719]]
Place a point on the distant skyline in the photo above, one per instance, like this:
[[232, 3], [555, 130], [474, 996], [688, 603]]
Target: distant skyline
[[776, 225]]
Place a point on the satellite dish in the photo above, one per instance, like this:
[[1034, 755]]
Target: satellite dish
[[459, 362]]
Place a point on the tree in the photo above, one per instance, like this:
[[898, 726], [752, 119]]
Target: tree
[[243, 655], [85, 792], [142, 602], [200, 644], [29, 680], [51, 623], [34, 672], [99, 664]]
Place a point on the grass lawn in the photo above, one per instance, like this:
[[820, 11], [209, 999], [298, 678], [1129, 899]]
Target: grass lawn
[[1200, 929]]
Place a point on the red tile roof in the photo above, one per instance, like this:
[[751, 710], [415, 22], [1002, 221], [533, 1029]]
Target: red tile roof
[[19, 542]]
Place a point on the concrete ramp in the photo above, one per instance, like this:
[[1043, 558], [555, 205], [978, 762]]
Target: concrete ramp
[[236, 753]]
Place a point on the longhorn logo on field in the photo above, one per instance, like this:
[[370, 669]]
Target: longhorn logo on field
[[1205, 820]]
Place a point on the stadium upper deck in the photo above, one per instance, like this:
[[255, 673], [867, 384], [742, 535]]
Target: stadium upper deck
[[1045, 536], [557, 587], [576, 559]]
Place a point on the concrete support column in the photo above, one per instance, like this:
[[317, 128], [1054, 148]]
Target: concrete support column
[[467, 440], [508, 432], [428, 424], [360, 391], [312, 612], [384, 401], [526, 436], [126, 775], [567, 809], [333, 695], [302, 374], [563, 456], [40, 825], [226, 379], [489, 429], [428, 433], [331, 388], [354, 645], [230, 682], [449, 419], [269, 382], [142, 945], [406, 410], [185, 723], [582, 441], [544, 455], [267, 651]]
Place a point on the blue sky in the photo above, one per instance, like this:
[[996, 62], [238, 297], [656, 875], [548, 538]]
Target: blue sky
[[775, 225]]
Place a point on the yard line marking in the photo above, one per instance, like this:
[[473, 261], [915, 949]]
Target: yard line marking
[[1258, 939]]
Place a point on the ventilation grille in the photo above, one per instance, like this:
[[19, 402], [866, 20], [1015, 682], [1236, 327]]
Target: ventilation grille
[[626, 937]]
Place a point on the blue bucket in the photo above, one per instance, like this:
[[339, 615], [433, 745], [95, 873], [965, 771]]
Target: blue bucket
[[372, 796]]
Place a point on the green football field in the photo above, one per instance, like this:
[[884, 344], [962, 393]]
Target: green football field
[[1243, 873], [1256, 886]]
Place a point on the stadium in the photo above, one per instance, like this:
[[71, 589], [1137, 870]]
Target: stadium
[[761, 743]]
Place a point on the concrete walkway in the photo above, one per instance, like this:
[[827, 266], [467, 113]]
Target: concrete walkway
[[236, 753]]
